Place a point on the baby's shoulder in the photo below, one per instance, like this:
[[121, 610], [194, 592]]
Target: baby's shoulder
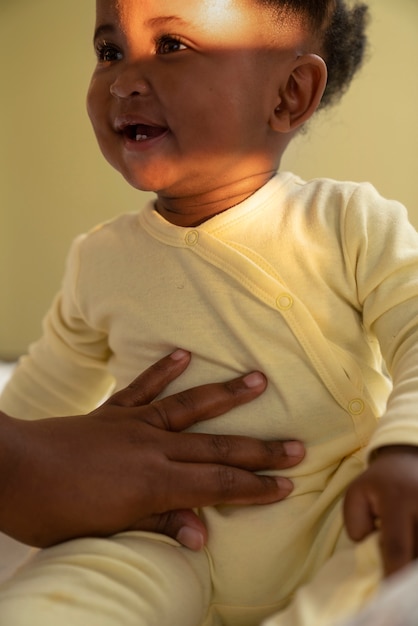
[[331, 191], [331, 199]]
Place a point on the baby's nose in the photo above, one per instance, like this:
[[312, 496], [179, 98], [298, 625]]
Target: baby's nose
[[129, 83]]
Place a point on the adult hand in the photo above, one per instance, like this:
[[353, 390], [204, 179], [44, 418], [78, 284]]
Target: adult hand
[[125, 466], [385, 498]]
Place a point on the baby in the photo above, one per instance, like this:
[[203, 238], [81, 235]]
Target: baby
[[313, 283]]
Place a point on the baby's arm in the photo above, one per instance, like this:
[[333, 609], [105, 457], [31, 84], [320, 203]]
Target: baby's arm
[[385, 262], [385, 497], [65, 371]]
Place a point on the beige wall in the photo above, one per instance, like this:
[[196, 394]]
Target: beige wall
[[373, 134], [54, 183]]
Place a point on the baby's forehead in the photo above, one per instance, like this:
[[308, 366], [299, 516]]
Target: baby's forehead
[[250, 19]]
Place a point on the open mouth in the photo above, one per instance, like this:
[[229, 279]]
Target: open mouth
[[143, 132]]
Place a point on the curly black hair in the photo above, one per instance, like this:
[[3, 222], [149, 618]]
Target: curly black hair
[[341, 30]]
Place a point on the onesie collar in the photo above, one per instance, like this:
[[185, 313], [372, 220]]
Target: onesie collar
[[178, 236]]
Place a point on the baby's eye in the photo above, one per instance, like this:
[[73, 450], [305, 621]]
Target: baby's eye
[[107, 52], [168, 44]]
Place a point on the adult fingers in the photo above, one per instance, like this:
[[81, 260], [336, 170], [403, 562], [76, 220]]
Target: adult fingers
[[181, 410], [209, 485], [213, 485], [243, 452], [183, 525], [152, 381]]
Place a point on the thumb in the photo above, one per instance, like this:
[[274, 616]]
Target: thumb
[[183, 525], [358, 515]]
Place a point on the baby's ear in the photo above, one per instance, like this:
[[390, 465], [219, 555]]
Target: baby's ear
[[300, 97]]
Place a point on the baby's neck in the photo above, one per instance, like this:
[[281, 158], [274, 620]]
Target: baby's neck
[[194, 209]]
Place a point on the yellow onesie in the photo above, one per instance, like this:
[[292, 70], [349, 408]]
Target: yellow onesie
[[312, 283]]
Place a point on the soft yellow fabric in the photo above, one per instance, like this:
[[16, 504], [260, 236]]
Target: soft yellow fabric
[[129, 580], [308, 282], [346, 583]]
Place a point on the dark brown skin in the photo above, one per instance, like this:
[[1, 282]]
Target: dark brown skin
[[126, 466], [385, 497]]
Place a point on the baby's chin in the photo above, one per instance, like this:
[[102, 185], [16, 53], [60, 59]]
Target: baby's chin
[[138, 182]]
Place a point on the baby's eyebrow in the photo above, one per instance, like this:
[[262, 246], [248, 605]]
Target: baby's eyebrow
[[166, 21], [103, 30], [109, 29]]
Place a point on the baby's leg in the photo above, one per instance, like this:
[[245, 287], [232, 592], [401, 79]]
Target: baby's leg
[[132, 579], [341, 588]]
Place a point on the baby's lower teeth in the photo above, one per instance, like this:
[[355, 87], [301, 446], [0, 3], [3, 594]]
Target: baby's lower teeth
[[141, 137]]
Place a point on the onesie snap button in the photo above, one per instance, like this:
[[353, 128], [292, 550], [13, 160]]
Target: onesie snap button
[[192, 237], [356, 406], [284, 302]]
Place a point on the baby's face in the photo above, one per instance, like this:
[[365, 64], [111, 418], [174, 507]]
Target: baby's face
[[183, 92]]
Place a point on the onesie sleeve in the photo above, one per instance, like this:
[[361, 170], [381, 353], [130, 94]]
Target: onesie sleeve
[[64, 372], [383, 248]]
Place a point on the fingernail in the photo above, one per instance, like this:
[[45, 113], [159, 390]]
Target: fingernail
[[179, 355], [255, 379], [285, 485], [190, 538], [294, 448]]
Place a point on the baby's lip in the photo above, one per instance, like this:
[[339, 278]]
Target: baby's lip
[[138, 128], [140, 132]]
